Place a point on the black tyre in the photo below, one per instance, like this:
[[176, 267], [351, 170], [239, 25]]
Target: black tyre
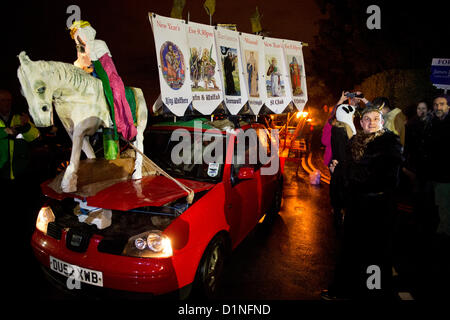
[[210, 269]]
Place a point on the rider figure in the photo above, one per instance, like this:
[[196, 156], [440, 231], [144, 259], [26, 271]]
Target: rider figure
[[94, 53]]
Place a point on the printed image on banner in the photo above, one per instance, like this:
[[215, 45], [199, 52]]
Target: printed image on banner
[[252, 50], [294, 58], [236, 95], [173, 67], [278, 86], [206, 82], [172, 54]]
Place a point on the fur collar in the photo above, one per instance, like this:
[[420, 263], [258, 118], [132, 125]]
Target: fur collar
[[360, 142]]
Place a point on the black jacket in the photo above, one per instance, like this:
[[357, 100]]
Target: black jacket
[[415, 145], [377, 170], [437, 150]]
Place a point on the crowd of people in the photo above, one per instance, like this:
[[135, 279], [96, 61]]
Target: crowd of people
[[373, 151]]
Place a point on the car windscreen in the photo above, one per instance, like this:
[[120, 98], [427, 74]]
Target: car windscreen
[[188, 155]]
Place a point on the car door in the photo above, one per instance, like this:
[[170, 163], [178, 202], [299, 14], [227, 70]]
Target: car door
[[268, 173], [243, 196]]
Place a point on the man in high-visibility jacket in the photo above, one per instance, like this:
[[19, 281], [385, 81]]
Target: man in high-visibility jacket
[[16, 131], [19, 196]]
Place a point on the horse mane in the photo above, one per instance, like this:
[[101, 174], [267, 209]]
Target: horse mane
[[66, 72]]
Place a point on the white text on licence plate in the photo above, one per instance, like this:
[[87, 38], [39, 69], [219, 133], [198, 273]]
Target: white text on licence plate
[[78, 273]]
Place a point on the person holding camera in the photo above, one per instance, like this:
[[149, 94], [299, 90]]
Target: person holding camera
[[350, 98], [343, 130], [335, 135]]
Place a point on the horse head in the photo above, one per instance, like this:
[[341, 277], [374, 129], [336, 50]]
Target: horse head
[[36, 91]]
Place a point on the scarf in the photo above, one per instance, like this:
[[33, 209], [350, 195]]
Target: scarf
[[360, 142]]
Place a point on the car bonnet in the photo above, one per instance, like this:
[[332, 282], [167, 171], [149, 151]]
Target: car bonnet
[[130, 194]]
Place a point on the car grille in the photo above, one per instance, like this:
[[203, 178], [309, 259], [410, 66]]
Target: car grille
[[54, 231], [77, 239]]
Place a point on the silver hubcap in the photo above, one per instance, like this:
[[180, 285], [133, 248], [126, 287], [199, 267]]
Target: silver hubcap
[[211, 268]]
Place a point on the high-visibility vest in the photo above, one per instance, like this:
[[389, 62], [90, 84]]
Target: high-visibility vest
[[7, 144]]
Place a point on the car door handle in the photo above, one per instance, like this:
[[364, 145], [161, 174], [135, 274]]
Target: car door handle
[[229, 206]]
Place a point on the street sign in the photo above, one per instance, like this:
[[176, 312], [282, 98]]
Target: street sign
[[440, 73]]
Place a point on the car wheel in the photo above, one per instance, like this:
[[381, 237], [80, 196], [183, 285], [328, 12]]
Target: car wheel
[[210, 269]]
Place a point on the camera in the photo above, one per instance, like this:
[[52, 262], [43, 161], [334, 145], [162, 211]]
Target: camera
[[354, 95]]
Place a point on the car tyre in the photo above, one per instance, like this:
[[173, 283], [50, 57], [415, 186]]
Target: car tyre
[[210, 269]]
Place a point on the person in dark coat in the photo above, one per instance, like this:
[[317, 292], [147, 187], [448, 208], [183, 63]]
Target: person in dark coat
[[414, 139], [437, 157], [415, 168], [342, 131], [364, 267]]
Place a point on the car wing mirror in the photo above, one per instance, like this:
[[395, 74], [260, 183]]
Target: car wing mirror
[[246, 173]]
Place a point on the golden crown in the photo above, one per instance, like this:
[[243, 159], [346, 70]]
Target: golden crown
[[77, 25]]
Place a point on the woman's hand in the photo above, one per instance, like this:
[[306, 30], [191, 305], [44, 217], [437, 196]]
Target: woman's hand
[[363, 99], [342, 98]]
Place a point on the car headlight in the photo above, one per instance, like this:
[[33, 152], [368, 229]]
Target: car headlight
[[150, 244], [45, 216]]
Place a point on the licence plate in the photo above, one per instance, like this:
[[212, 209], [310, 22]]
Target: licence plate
[[77, 273]]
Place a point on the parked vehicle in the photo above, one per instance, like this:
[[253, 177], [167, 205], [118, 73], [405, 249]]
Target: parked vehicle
[[157, 242]]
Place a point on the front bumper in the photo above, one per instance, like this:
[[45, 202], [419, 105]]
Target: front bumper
[[145, 275]]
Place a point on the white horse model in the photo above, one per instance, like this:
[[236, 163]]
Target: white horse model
[[79, 102]]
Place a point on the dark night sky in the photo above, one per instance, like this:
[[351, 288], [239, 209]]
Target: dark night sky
[[39, 28]]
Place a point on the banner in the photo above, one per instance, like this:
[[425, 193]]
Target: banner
[[206, 81], [252, 50], [294, 58], [228, 50], [172, 52], [278, 86], [211, 68]]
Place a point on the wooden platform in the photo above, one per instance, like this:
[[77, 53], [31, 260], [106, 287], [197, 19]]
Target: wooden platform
[[95, 175]]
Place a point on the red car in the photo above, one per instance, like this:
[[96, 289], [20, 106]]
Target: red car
[[158, 243]]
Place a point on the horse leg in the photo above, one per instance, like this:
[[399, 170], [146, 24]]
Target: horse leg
[[87, 148], [69, 181]]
